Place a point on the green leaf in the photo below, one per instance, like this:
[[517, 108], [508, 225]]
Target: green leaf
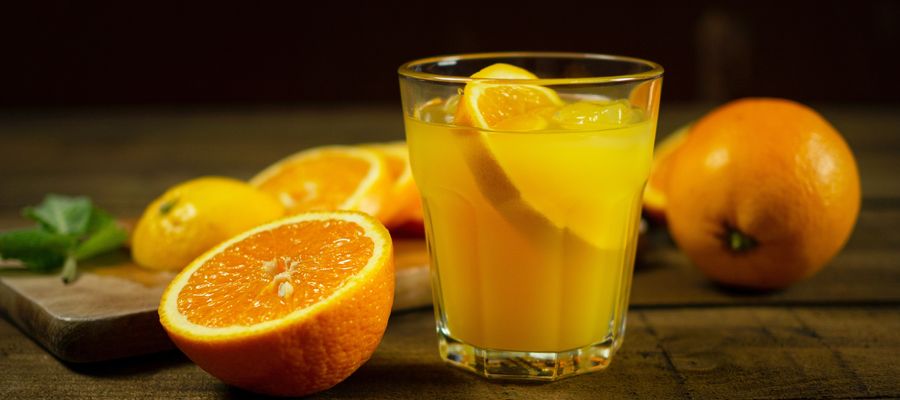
[[104, 235], [98, 220], [69, 229], [62, 214], [35, 247]]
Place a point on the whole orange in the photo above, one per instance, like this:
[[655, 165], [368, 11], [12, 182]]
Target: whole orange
[[763, 193]]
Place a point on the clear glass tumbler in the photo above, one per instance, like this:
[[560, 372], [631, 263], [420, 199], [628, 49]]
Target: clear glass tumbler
[[531, 174]]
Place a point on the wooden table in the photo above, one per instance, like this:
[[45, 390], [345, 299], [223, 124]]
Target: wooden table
[[834, 336]]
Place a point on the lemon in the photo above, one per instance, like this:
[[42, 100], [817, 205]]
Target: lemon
[[196, 215]]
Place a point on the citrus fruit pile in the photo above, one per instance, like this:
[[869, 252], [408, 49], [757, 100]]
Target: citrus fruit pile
[[192, 217], [759, 193], [288, 308]]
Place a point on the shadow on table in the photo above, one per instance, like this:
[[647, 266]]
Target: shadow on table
[[132, 366], [426, 381], [652, 240]]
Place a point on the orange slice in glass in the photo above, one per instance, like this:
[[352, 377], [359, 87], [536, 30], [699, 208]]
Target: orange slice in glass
[[504, 105]]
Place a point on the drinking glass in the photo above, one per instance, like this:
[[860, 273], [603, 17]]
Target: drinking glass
[[531, 209]]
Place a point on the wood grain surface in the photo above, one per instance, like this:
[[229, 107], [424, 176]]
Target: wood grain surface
[[833, 336], [702, 353], [110, 310]]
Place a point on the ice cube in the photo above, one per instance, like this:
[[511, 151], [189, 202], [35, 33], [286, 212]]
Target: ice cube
[[431, 111], [595, 114]]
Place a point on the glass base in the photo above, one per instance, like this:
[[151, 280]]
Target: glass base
[[526, 365]]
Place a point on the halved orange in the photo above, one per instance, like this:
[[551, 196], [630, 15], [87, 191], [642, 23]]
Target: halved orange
[[663, 157], [403, 196], [288, 308], [328, 178]]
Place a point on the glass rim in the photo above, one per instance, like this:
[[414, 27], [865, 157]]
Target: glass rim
[[655, 71]]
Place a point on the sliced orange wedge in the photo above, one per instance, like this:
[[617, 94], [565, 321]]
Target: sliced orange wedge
[[328, 178], [663, 157], [403, 197], [288, 308]]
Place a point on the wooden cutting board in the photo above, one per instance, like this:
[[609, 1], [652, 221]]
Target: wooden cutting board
[[110, 310]]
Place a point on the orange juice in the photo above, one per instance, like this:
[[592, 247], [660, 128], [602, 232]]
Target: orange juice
[[531, 167], [532, 232]]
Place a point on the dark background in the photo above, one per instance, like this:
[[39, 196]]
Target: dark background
[[77, 53]]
